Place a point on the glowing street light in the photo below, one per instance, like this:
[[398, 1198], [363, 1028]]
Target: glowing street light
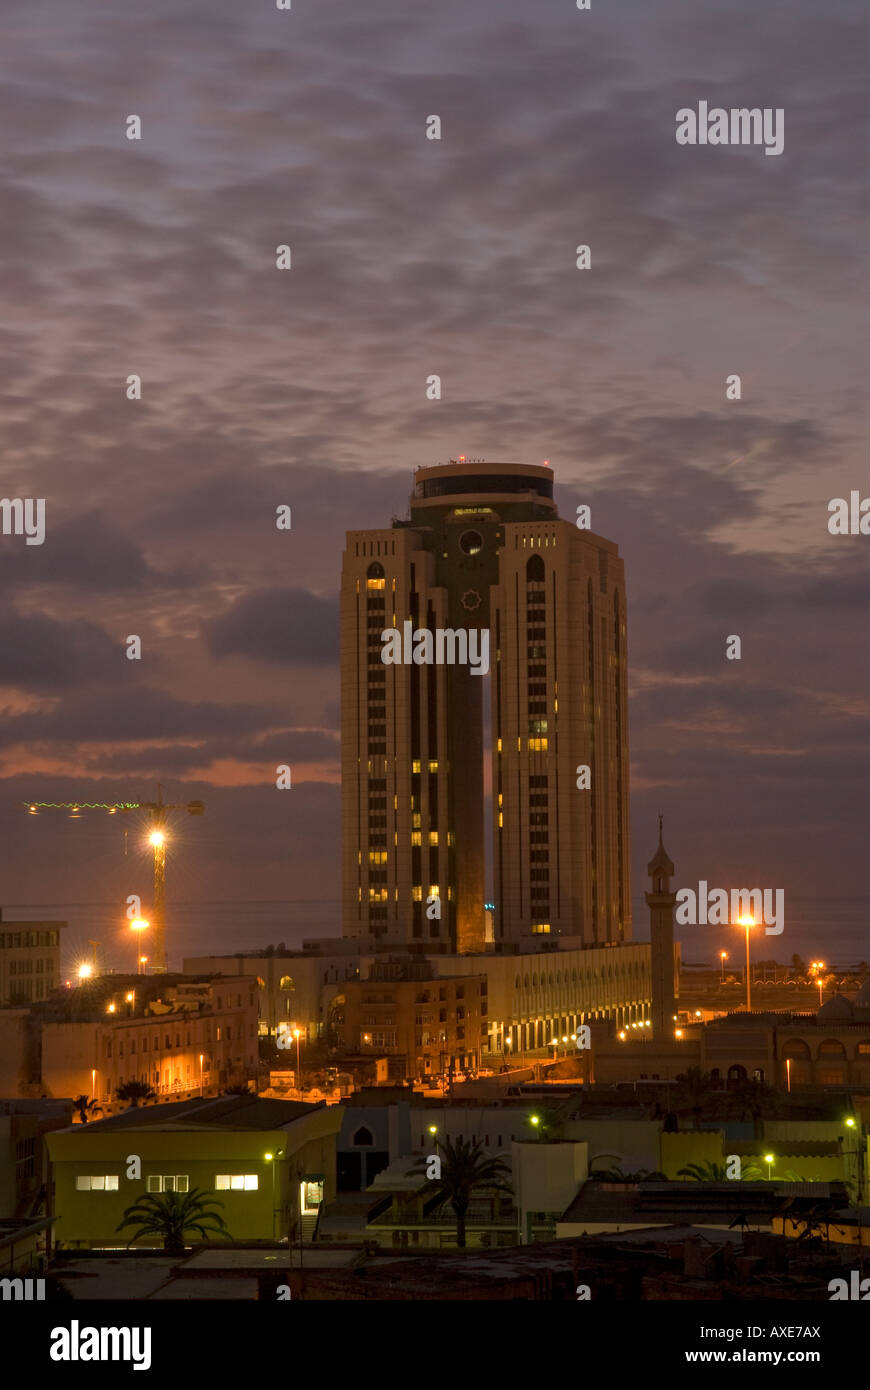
[[85, 971], [723, 956], [769, 1159], [139, 924], [748, 923], [818, 966]]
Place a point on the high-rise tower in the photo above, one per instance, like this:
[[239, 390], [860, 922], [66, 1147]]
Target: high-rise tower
[[484, 548]]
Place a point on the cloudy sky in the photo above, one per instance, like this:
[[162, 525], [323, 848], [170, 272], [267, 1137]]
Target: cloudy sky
[[307, 387]]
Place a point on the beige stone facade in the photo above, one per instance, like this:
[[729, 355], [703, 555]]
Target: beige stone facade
[[202, 1039], [434, 1024], [29, 960], [483, 550]]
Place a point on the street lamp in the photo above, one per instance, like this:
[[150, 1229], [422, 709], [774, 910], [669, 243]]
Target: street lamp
[[139, 924], [723, 956], [201, 1058], [851, 1123], [769, 1159], [748, 923], [269, 1159], [85, 972], [818, 966], [297, 1033]]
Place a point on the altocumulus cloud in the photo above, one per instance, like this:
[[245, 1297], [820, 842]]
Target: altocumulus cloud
[[289, 626]]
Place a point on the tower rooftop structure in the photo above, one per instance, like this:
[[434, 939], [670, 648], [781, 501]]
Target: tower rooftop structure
[[512, 490], [661, 862]]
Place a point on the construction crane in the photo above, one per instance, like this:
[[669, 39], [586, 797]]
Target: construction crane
[[157, 817]]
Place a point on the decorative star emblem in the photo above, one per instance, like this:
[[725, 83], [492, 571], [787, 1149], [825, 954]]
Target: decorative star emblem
[[471, 599]]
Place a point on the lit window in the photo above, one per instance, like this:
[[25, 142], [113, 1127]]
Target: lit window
[[417, 892], [415, 765], [433, 837], [416, 837], [376, 583], [434, 890], [103, 1182], [170, 1182], [376, 856], [433, 764], [236, 1182]]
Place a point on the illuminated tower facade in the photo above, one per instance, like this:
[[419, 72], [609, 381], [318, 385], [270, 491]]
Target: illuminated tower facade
[[424, 746]]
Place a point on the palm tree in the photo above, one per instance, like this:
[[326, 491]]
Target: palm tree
[[134, 1092], [704, 1172], [171, 1215], [465, 1167], [755, 1173], [694, 1088], [757, 1100], [617, 1175], [87, 1107]]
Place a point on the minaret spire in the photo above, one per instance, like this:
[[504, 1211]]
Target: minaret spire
[[661, 901]]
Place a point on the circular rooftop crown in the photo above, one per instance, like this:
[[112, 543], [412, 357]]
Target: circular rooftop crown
[[460, 478]]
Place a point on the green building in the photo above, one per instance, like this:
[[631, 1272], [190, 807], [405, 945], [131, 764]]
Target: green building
[[271, 1163]]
